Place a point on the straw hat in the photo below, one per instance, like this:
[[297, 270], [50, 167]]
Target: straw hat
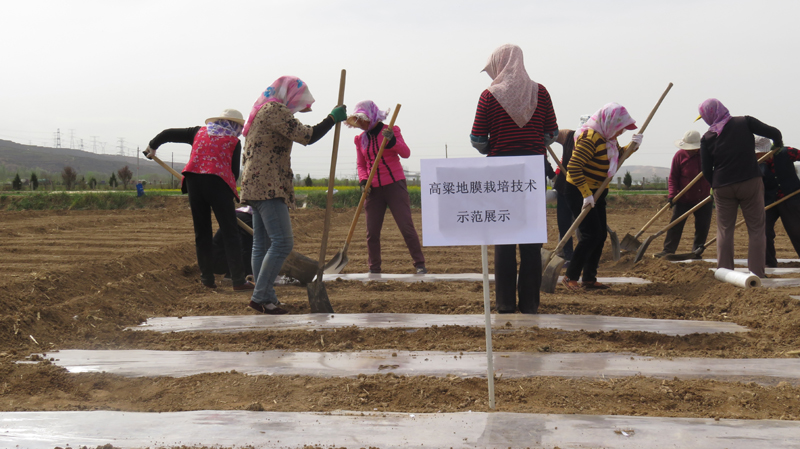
[[690, 141], [762, 144], [228, 114]]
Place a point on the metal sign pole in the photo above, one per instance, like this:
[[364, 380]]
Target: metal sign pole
[[488, 315]]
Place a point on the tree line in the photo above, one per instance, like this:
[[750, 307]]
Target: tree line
[[70, 181]]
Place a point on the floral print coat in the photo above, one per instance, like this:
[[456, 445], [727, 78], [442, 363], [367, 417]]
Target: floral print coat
[[266, 159]]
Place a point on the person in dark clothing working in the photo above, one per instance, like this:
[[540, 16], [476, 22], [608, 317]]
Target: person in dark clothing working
[[210, 180], [731, 166], [564, 217], [780, 179], [515, 117], [685, 167], [220, 254]]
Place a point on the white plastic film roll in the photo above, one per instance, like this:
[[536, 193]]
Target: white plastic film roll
[[737, 278]]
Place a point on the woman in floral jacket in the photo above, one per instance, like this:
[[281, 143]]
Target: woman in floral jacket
[[267, 179]]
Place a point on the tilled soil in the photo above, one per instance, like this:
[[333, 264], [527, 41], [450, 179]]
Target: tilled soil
[[76, 279]]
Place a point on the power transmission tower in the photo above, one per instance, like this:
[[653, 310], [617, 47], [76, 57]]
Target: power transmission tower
[[81, 144], [94, 144], [71, 139], [121, 141], [58, 138]]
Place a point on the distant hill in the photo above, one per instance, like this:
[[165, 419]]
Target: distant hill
[[643, 171], [15, 157]]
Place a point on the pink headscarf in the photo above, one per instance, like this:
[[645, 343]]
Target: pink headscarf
[[291, 91], [511, 86], [715, 114], [368, 110], [608, 121]]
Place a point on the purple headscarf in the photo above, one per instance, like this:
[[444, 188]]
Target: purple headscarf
[[291, 91], [715, 114], [368, 110]]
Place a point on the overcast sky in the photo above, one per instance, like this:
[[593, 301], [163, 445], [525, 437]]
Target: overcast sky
[[105, 70]]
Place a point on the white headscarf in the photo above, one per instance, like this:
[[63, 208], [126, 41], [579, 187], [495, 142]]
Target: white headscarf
[[511, 86]]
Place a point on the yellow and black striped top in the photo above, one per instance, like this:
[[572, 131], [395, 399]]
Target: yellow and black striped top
[[588, 167]]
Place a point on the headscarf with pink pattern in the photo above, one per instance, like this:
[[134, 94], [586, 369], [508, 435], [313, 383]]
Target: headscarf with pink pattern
[[608, 121], [715, 114], [368, 110], [511, 86], [290, 91]]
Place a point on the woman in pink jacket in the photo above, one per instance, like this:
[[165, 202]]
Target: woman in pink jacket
[[388, 187]]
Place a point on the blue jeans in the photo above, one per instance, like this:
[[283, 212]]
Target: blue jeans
[[272, 243]]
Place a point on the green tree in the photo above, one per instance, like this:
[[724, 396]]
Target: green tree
[[125, 174], [92, 183], [69, 175], [112, 181], [34, 181], [309, 181], [82, 183], [16, 184], [627, 180]]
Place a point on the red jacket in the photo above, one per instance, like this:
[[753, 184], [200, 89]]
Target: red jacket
[[685, 167], [212, 155], [389, 168]]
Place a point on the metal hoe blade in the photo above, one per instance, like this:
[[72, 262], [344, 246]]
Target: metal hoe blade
[[318, 296], [615, 251], [630, 243], [336, 264], [551, 273], [643, 248]]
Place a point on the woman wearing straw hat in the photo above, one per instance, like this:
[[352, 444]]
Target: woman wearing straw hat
[[267, 179], [515, 117], [780, 180], [685, 167], [210, 180]]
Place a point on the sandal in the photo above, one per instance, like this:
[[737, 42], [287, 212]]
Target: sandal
[[570, 285], [595, 286]]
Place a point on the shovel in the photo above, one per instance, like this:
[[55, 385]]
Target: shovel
[[317, 295], [699, 251], [296, 265], [631, 242], [338, 262], [640, 252], [556, 262], [615, 248]]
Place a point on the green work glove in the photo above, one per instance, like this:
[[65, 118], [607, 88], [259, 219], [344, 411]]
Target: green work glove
[[339, 113]]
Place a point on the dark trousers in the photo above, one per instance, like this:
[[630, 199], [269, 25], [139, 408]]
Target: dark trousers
[[789, 213], [220, 256], [395, 197], [508, 285], [207, 193], [564, 218], [702, 222], [593, 233]]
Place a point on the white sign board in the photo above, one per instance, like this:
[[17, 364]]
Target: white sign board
[[483, 201]]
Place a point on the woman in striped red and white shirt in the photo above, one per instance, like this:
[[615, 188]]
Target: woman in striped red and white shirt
[[515, 117]]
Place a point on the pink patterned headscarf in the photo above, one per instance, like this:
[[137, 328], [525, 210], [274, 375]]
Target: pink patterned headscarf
[[511, 86], [715, 114], [368, 110], [608, 121], [291, 91]]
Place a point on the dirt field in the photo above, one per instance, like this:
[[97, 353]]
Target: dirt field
[[74, 280]]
